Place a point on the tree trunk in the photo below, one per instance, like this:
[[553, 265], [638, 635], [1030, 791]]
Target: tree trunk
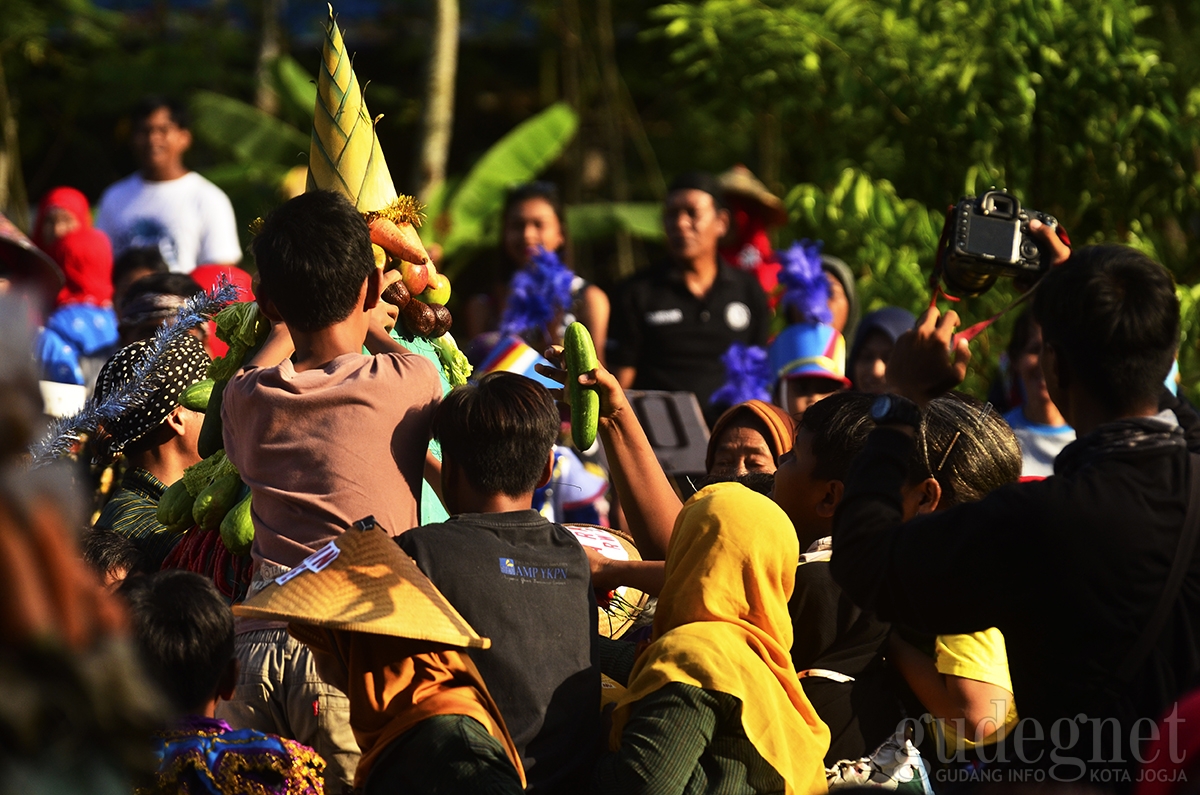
[[613, 127], [13, 201], [270, 47], [438, 120]]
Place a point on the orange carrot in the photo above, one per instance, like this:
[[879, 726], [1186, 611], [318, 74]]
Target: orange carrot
[[399, 240]]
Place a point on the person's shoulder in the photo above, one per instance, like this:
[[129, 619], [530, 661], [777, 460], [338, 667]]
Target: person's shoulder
[[412, 368], [743, 279], [648, 276], [119, 190]]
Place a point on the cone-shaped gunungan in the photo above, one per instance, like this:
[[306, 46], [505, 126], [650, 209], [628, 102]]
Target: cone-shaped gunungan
[[345, 154]]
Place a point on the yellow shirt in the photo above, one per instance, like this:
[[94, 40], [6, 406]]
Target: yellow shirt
[[980, 656]]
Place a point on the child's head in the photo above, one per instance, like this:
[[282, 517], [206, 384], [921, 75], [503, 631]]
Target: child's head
[[111, 555], [314, 257], [809, 480], [1110, 315], [498, 433], [809, 363], [184, 631]]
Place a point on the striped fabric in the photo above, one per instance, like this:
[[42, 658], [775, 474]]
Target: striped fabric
[[686, 740], [131, 513]]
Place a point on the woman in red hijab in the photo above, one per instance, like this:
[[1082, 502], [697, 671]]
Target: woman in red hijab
[[83, 315]]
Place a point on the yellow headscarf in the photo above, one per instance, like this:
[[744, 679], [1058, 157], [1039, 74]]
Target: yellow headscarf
[[722, 624]]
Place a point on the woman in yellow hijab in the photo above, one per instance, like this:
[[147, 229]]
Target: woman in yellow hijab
[[714, 704]]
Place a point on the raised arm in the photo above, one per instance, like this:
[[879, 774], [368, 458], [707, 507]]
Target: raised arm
[[649, 502]]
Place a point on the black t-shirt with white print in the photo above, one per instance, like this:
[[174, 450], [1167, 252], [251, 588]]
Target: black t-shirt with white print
[[525, 583]]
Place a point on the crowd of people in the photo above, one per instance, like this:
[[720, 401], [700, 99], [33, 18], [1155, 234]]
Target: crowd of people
[[878, 581]]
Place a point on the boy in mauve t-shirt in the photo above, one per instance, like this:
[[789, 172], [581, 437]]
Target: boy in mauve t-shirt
[[324, 436]]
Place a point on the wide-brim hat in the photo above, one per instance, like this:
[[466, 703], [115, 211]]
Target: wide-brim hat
[[809, 350], [28, 264], [363, 582], [740, 182]]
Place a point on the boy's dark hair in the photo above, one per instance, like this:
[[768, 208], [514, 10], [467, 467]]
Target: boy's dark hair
[[839, 425], [184, 631], [1112, 315], [313, 255], [144, 258], [106, 551], [179, 284], [967, 447], [499, 432], [148, 105]]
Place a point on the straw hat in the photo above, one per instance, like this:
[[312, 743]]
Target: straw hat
[[363, 582], [740, 182], [27, 264], [626, 604]]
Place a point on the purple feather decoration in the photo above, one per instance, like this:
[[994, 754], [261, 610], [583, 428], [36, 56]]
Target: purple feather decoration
[[748, 376], [806, 288], [537, 293]]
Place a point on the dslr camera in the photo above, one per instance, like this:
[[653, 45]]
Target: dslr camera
[[989, 238]]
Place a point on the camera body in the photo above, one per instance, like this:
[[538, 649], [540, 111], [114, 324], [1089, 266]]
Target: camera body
[[989, 238]]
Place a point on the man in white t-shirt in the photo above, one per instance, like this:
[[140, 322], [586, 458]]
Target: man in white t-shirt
[[164, 205]]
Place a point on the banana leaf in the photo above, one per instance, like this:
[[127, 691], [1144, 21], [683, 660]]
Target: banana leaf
[[248, 134], [473, 211], [603, 220]]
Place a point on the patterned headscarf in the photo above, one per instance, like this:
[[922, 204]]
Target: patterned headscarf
[[183, 364]]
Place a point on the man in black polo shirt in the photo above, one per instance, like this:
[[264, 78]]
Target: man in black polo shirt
[[672, 322]]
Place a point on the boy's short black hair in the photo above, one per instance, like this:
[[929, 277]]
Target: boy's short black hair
[[148, 105], [1112, 315], [839, 425], [179, 284], [141, 258], [184, 631], [313, 255], [499, 431], [106, 551]]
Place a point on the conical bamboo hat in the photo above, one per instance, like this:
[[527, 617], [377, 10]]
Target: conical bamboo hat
[[345, 154], [364, 582]]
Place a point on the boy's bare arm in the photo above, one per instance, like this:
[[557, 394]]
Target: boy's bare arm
[[383, 319], [279, 346]]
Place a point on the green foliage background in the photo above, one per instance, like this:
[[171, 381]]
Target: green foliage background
[[889, 110], [869, 117]]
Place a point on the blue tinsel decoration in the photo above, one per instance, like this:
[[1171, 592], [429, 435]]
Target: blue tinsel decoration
[[66, 432], [748, 376], [537, 293], [805, 284]]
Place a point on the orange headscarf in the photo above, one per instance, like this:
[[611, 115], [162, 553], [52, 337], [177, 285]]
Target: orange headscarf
[[722, 624], [394, 684], [781, 428]]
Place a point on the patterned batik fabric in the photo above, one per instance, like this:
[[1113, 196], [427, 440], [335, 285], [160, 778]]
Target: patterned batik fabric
[[204, 756]]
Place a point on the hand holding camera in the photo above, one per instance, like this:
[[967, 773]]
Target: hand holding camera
[[993, 236]]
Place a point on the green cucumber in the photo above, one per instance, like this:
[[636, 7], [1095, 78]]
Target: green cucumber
[[237, 528], [196, 396], [211, 434], [214, 502], [175, 507], [580, 354]]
